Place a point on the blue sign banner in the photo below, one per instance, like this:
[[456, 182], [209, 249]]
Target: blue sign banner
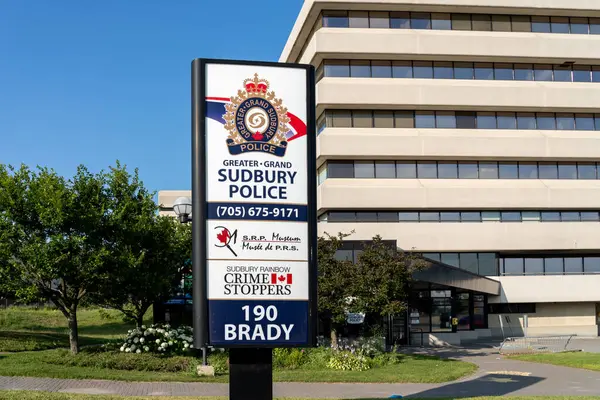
[[258, 212], [258, 322]]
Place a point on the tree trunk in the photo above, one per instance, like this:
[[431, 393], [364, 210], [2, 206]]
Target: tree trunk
[[73, 331], [139, 320], [140, 312]]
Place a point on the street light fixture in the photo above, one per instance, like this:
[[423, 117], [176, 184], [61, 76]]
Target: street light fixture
[[183, 208]]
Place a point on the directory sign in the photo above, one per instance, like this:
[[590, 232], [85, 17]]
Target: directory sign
[[260, 210]]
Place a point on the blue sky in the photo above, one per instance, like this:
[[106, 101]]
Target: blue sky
[[89, 82]]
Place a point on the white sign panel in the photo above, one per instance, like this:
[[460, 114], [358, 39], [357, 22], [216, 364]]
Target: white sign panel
[[256, 240], [257, 177], [239, 280]]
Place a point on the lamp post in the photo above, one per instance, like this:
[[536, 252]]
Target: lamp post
[[183, 209]]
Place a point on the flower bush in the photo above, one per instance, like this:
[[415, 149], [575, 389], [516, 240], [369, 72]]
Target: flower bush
[[347, 361], [358, 354], [158, 338]]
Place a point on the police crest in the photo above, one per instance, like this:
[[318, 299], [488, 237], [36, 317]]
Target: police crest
[[256, 120]]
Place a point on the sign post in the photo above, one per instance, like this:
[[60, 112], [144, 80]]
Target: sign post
[[254, 214]]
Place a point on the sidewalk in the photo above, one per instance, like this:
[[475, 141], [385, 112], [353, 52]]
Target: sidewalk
[[496, 376]]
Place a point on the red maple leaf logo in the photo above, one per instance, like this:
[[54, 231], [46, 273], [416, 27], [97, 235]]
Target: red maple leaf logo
[[281, 278], [257, 136], [223, 236]]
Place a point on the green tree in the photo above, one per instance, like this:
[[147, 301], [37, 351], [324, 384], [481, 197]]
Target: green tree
[[376, 285], [150, 267], [51, 236], [385, 275], [148, 251], [335, 282]]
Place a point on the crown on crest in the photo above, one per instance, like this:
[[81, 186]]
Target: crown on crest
[[256, 87]]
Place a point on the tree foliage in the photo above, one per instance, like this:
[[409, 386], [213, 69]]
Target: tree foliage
[[377, 284], [148, 251], [94, 238], [51, 236]]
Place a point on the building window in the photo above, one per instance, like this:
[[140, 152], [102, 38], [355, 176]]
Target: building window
[[358, 19], [456, 70], [335, 19], [441, 21], [381, 69], [513, 266], [420, 20], [364, 169], [378, 19], [406, 170], [340, 170], [459, 21], [400, 20]]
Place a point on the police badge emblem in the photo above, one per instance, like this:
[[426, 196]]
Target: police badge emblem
[[256, 120]]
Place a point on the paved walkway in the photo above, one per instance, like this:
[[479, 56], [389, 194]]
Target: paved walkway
[[496, 376]]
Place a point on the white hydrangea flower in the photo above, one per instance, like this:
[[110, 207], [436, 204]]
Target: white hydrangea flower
[[146, 348], [170, 343], [143, 326], [164, 345], [127, 350], [185, 346], [133, 347], [157, 341], [138, 351], [142, 340], [136, 340], [122, 348]]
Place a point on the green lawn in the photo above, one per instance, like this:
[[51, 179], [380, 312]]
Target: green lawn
[[582, 360], [33, 342], [29, 329], [132, 367]]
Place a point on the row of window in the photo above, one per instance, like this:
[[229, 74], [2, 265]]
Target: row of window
[[549, 265], [459, 70], [460, 216], [489, 264], [457, 120], [458, 170], [463, 22], [485, 264]]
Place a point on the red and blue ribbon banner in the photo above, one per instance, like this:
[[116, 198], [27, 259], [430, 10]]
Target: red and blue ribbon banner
[[215, 109]]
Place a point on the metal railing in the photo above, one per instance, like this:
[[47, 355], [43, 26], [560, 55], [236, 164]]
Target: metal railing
[[534, 345]]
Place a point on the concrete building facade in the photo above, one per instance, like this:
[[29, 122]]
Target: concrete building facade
[[469, 131]]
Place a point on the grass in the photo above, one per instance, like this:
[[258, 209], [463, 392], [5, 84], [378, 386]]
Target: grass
[[30, 329], [132, 367], [581, 360], [32, 343]]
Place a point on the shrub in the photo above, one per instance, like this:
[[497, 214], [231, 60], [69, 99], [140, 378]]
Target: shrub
[[220, 361], [95, 358], [159, 339], [347, 361], [289, 358]]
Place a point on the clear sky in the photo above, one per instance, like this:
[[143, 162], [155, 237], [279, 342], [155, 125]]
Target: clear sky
[[89, 82]]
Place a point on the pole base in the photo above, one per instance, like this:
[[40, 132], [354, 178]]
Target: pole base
[[250, 374]]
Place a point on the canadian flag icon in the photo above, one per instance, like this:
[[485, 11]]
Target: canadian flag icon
[[283, 279]]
